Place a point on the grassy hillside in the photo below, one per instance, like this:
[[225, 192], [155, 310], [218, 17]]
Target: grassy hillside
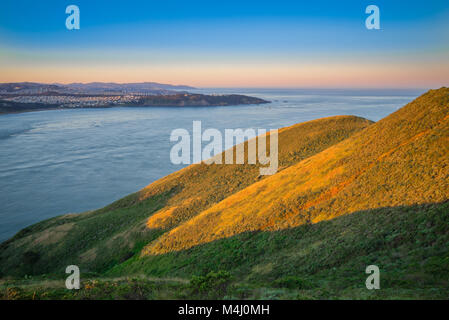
[[348, 194], [98, 240], [409, 244], [401, 160], [200, 186], [326, 260]]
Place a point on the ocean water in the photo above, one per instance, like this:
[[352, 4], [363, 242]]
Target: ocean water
[[67, 161]]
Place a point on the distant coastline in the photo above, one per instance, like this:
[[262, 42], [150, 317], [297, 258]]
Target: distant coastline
[[86, 102]]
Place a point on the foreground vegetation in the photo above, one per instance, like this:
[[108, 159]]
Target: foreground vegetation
[[326, 260]]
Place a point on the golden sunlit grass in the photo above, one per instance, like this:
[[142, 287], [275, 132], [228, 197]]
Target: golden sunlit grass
[[200, 186], [401, 160]]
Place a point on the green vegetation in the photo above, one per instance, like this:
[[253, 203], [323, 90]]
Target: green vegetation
[[134, 288], [213, 285], [326, 260], [409, 244], [94, 240]]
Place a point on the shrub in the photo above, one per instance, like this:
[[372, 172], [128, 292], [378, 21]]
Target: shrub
[[30, 257], [292, 282], [213, 284]]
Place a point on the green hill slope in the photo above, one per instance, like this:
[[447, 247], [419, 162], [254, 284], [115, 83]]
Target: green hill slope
[[400, 160], [410, 244], [326, 260], [98, 240]]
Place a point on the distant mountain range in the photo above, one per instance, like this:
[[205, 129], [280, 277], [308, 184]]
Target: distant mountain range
[[93, 87], [27, 87], [121, 87]]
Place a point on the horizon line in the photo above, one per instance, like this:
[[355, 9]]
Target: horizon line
[[238, 87]]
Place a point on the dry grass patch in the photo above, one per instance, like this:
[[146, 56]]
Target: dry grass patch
[[52, 235]]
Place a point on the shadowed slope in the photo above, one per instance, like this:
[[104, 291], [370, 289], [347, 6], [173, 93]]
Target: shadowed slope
[[326, 259], [401, 160]]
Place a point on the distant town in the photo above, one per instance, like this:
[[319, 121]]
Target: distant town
[[75, 101], [27, 96]]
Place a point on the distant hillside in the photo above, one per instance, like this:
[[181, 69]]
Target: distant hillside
[[93, 87], [120, 87], [54, 100], [29, 96], [23, 87], [197, 100], [16, 107]]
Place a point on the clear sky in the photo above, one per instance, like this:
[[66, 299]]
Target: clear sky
[[319, 43]]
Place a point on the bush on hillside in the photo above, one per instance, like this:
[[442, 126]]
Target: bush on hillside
[[215, 284], [292, 282]]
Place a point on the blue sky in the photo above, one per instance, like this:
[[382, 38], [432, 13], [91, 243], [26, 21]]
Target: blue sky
[[221, 40]]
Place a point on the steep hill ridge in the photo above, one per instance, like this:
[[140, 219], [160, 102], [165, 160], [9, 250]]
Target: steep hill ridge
[[401, 160], [101, 239], [202, 185]]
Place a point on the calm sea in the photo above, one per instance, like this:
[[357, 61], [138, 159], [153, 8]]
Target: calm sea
[[66, 161]]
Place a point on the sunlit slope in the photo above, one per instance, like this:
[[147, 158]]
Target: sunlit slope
[[401, 160], [198, 187], [100, 239]]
